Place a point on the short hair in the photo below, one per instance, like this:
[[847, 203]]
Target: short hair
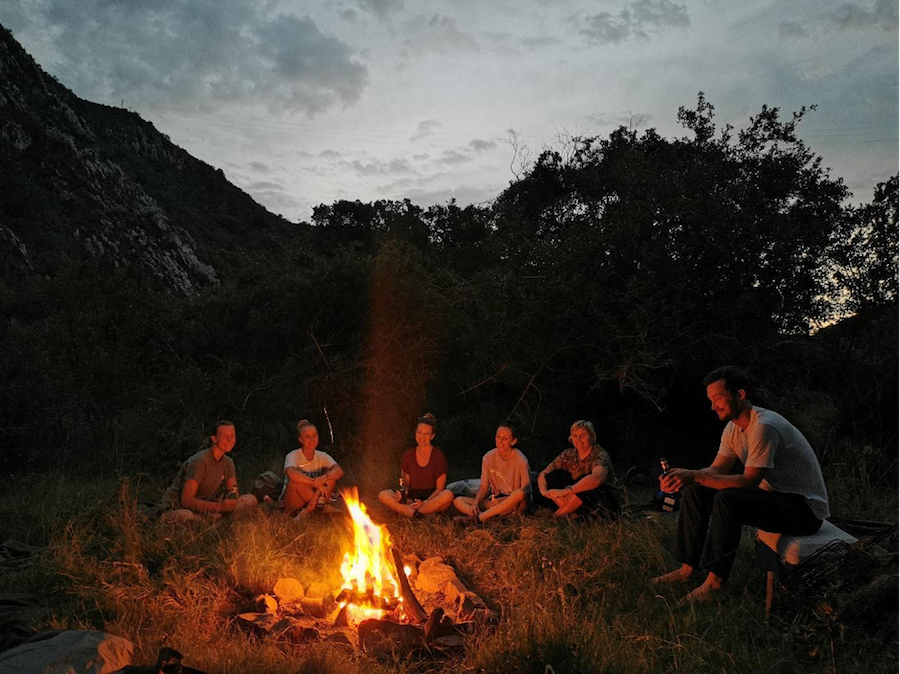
[[428, 419], [507, 424], [734, 379], [303, 423], [219, 424], [586, 425]]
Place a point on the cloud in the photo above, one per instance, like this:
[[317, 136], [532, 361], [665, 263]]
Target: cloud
[[436, 33], [818, 73], [275, 198], [381, 9], [264, 186], [883, 15], [184, 55], [482, 145], [424, 129], [792, 29], [540, 42], [377, 167], [453, 157], [259, 167], [637, 21]]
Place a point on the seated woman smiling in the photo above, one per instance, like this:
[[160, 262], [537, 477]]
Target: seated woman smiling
[[424, 472], [581, 478]]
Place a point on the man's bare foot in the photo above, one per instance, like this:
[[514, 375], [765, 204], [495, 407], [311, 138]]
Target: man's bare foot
[[702, 595], [679, 575]]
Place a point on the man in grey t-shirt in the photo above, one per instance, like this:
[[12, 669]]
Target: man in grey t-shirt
[[780, 490]]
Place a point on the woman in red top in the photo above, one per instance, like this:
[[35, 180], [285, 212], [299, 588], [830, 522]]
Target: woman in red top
[[423, 470]]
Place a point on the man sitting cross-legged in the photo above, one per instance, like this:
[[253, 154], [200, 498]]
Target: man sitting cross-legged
[[780, 490], [505, 481], [309, 475]]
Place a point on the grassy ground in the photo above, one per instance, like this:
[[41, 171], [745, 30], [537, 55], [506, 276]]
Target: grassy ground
[[573, 596]]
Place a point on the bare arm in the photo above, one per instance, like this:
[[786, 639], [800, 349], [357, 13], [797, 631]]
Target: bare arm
[[296, 475], [591, 481], [190, 501], [333, 474], [714, 476], [480, 496], [749, 479], [542, 483]]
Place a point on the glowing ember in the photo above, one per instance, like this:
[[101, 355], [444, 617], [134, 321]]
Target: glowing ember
[[370, 584]]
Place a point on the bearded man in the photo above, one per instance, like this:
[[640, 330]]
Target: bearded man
[[780, 490]]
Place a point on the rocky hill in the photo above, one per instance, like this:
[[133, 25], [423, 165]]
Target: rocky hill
[[80, 180]]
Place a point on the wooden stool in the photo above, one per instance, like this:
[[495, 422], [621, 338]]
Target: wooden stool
[[777, 553]]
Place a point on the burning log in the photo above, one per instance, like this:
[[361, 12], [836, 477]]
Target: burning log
[[411, 605], [319, 607], [367, 598], [317, 601], [343, 617]]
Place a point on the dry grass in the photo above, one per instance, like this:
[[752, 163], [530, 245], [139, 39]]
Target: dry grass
[[573, 596]]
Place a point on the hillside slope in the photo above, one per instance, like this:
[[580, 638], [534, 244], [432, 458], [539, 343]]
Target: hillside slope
[[87, 181]]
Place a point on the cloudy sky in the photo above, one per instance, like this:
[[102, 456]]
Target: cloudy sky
[[306, 102]]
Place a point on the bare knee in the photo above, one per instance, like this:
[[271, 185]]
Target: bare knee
[[463, 504], [180, 516], [246, 501], [445, 498]]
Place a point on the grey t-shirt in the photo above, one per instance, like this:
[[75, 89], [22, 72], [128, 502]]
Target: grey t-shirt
[[505, 475], [771, 441], [210, 475]]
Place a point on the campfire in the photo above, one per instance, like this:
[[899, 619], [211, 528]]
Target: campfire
[[372, 572], [375, 606]]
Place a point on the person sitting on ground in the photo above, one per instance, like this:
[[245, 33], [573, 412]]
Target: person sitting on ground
[[309, 474], [781, 489], [206, 486], [581, 478], [423, 470], [505, 480]]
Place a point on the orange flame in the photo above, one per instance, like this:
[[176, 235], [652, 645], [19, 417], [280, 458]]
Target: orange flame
[[369, 568]]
